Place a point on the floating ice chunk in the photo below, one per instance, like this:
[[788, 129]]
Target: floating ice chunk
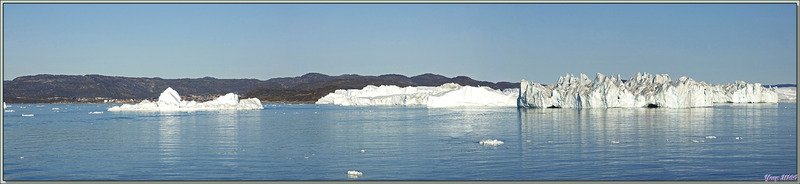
[[9, 110], [55, 108], [362, 151], [357, 173], [696, 141], [4, 105], [170, 100], [446, 95], [614, 142], [494, 142], [96, 112], [711, 137], [27, 115], [738, 138], [643, 90]]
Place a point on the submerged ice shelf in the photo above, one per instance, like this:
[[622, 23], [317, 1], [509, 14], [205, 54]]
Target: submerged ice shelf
[[643, 90], [170, 100], [446, 95]]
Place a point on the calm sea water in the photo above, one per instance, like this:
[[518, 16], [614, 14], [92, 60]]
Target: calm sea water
[[322, 142]]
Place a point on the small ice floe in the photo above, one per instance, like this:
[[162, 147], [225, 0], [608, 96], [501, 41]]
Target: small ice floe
[[711, 137], [9, 111], [56, 108], [696, 141], [738, 138], [27, 114], [494, 142], [96, 112], [353, 174], [614, 142], [527, 140], [362, 151]]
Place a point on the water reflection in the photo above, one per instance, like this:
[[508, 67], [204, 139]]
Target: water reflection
[[169, 137], [308, 142], [479, 122], [747, 117], [224, 136], [212, 133], [646, 140], [612, 124]]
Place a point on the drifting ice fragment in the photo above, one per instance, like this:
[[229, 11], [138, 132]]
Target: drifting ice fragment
[[696, 141], [494, 142], [711, 137], [738, 138], [96, 112], [170, 100], [9, 110], [614, 142], [27, 114], [354, 173]]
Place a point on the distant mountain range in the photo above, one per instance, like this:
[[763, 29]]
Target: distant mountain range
[[781, 85], [303, 89]]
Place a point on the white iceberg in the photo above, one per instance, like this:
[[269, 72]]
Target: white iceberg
[[357, 173], [643, 90], [492, 142], [742, 92], [446, 95], [170, 100], [787, 94]]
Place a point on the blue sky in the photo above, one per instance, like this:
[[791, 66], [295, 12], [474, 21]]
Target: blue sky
[[716, 43]]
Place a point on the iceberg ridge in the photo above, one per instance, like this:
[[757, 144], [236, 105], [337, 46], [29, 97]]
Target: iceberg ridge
[[787, 94], [170, 100], [643, 90], [446, 95]]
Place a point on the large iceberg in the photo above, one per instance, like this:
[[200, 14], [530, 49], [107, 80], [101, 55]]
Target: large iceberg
[[170, 100], [446, 95], [787, 94], [643, 90]]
